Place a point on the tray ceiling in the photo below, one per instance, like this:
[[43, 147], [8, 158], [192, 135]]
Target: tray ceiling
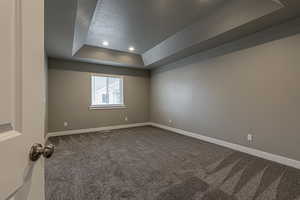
[[160, 31]]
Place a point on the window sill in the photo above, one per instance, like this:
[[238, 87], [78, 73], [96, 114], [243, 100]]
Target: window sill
[[108, 107]]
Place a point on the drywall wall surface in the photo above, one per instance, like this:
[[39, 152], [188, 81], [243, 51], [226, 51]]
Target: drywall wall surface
[[249, 91], [69, 97]]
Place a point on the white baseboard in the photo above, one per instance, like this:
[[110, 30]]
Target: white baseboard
[[88, 130], [265, 155], [237, 147]]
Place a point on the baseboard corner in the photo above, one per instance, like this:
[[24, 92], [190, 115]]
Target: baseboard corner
[[88, 130], [254, 152]]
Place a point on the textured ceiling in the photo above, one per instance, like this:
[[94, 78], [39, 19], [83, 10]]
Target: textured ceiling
[[143, 23], [162, 31]]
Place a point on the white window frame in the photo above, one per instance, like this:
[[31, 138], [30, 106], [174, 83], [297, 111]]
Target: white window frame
[[107, 106]]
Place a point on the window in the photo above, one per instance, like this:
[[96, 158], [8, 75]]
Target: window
[[107, 91]]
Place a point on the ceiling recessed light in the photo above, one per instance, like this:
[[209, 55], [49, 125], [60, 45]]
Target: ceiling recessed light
[[131, 48], [105, 43]]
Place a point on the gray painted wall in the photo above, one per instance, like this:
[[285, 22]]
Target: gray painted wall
[[69, 94], [254, 90]]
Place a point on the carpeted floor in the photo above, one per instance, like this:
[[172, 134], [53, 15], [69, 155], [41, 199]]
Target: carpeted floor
[[147, 163]]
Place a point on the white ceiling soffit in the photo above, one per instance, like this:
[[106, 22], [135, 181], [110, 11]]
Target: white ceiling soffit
[[84, 15], [69, 24], [109, 57], [230, 16]]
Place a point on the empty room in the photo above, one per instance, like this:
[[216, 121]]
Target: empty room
[[150, 100]]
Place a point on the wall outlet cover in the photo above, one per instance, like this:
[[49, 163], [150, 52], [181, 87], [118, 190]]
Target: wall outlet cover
[[250, 137]]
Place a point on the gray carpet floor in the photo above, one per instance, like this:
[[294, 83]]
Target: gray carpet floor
[[148, 163]]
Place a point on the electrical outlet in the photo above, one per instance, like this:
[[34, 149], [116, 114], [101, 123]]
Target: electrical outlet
[[170, 121], [250, 137], [66, 124], [126, 118]]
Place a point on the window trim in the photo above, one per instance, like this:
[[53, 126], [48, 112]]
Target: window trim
[[106, 106]]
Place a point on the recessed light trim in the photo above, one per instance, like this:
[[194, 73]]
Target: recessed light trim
[[105, 43], [131, 48]]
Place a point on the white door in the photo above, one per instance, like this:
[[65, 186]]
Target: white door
[[22, 98]]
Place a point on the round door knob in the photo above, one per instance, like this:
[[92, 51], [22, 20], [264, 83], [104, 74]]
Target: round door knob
[[48, 150], [37, 150]]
